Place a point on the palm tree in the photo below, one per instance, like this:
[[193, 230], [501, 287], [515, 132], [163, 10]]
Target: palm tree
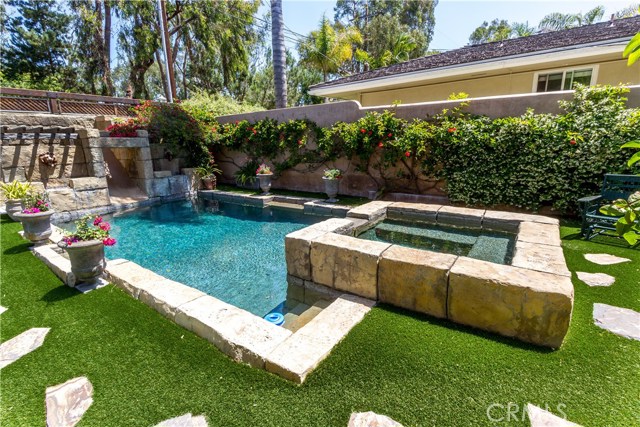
[[327, 48], [562, 21], [521, 29], [279, 54]]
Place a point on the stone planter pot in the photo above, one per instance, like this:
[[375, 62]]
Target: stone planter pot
[[265, 182], [209, 182], [13, 207], [87, 260], [331, 188], [37, 226]]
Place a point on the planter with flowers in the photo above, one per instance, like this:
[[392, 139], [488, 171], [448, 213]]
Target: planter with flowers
[[264, 175], [36, 217], [207, 175], [13, 193], [332, 179], [85, 248]]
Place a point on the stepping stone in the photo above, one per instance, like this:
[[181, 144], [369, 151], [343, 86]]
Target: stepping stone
[[371, 419], [605, 259], [18, 346], [621, 321], [596, 279], [186, 420], [100, 283], [66, 403], [3, 309], [538, 417]]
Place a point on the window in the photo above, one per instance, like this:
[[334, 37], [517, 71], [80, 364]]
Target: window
[[563, 80]]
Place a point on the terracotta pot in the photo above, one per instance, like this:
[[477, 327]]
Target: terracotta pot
[[87, 260], [209, 182], [265, 182], [37, 226], [331, 188], [13, 206]]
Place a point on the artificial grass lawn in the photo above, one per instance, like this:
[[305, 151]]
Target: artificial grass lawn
[[418, 370], [342, 200]]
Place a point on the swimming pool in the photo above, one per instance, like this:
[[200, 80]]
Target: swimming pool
[[232, 252]]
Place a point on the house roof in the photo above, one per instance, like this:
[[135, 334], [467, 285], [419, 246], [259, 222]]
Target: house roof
[[538, 43]]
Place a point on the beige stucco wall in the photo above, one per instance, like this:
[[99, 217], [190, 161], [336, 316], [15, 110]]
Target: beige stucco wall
[[611, 72]]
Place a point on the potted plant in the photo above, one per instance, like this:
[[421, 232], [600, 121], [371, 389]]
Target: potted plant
[[85, 248], [13, 193], [207, 175], [264, 175], [36, 217], [331, 182]]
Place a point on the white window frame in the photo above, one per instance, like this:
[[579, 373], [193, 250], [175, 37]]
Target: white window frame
[[594, 75]]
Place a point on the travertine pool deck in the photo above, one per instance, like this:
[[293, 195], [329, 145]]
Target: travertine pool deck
[[530, 300]]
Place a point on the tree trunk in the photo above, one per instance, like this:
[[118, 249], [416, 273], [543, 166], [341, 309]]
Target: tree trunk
[[167, 41], [107, 48], [279, 54]]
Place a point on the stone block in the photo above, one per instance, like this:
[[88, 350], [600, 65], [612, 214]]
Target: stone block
[[539, 257], [334, 225], [167, 296], [347, 263], [297, 247], [515, 302], [160, 187], [193, 179], [92, 198], [178, 184], [239, 334], [142, 154], [323, 208], [14, 174], [63, 199], [144, 168], [59, 265], [161, 174], [146, 185], [314, 292], [460, 217], [370, 211], [539, 218], [97, 169], [535, 232], [302, 352], [414, 279], [66, 403], [501, 221], [295, 289], [370, 419], [413, 211], [132, 278], [84, 184]]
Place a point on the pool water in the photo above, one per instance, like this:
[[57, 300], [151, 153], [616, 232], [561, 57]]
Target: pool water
[[232, 252], [480, 244]]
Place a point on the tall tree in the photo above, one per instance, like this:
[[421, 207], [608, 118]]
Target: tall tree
[[279, 56], [522, 29], [628, 12], [562, 21], [490, 32], [327, 49], [93, 43], [37, 44]]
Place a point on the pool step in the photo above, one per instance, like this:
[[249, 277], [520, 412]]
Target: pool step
[[302, 314]]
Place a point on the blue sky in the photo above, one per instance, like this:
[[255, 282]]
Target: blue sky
[[455, 19]]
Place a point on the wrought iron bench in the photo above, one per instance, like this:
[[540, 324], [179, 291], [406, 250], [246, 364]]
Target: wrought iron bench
[[614, 187]]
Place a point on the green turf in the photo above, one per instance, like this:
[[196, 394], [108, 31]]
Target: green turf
[[342, 200], [418, 370]]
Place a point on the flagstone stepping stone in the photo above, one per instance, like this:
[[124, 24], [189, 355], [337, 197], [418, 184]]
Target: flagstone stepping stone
[[88, 287], [18, 346], [605, 259], [621, 321], [538, 417], [596, 279], [186, 420], [67, 402], [3, 309], [371, 419]]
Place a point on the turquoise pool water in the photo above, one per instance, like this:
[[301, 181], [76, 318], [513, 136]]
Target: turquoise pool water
[[232, 252], [485, 245]]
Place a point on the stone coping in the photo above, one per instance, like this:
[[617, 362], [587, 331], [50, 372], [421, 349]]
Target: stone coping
[[243, 336], [531, 300]]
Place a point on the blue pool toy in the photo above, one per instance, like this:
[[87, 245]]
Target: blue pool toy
[[275, 318]]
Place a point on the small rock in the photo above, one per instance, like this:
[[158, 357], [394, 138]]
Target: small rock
[[18, 346], [371, 419], [88, 287], [541, 418], [605, 259], [66, 403], [2, 309], [596, 279], [620, 321], [186, 420]]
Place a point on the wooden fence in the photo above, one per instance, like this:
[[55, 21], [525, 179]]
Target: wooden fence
[[41, 101]]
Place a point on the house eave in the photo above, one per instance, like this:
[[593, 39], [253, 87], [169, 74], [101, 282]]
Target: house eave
[[424, 76]]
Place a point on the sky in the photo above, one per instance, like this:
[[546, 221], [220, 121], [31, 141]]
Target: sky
[[455, 19]]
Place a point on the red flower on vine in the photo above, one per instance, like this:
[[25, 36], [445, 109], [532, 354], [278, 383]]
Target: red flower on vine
[[451, 130], [572, 142], [380, 144], [390, 135], [407, 153], [363, 130]]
